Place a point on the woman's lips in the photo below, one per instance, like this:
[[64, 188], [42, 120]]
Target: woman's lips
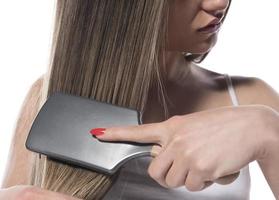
[[211, 27]]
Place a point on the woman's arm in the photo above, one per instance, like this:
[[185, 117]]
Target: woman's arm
[[20, 159], [259, 92], [270, 164], [201, 147]]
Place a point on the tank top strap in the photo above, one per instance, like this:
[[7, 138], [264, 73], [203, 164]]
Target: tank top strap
[[231, 90]]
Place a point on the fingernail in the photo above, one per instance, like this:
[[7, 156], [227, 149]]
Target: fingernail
[[97, 131]]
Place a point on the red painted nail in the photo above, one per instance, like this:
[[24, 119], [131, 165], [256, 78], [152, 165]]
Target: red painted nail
[[97, 131]]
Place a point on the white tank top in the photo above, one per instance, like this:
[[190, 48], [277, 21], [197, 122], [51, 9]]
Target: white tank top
[[134, 183]]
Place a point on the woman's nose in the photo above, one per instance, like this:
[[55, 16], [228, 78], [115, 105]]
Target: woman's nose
[[215, 7]]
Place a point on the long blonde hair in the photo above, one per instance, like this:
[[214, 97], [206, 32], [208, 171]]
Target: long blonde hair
[[106, 50]]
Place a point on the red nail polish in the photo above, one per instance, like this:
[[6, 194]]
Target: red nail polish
[[97, 131]]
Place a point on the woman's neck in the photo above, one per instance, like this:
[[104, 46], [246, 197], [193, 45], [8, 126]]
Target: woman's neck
[[177, 70]]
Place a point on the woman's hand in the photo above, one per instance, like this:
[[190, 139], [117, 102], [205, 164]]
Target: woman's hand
[[198, 148], [26, 192]]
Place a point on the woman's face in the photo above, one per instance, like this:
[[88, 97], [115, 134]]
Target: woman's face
[[189, 29]]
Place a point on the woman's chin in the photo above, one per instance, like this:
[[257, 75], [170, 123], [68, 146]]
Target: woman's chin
[[202, 50], [197, 46], [204, 46]]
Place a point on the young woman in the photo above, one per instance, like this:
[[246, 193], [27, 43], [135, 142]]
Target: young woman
[[201, 135]]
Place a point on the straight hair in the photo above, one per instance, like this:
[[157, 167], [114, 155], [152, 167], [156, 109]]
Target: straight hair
[[107, 50]]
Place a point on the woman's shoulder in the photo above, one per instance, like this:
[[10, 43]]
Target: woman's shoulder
[[34, 92], [39, 81], [248, 89], [254, 90], [20, 159]]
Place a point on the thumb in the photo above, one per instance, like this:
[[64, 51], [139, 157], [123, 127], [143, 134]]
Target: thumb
[[145, 133], [155, 150]]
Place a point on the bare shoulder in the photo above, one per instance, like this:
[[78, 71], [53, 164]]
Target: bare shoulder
[[31, 102], [19, 158], [36, 87], [32, 99], [29, 107], [253, 90], [39, 82]]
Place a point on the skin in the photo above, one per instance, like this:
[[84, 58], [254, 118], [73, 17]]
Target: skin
[[25, 192], [199, 96], [20, 159]]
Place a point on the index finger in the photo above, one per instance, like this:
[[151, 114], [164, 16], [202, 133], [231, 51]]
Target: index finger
[[145, 133]]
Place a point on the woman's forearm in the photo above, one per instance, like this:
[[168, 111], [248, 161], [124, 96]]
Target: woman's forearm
[[269, 164], [270, 169]]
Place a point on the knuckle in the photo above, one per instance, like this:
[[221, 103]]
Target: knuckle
[[203, 167], [191, 187], [171, 183], [173, 121], [117, 133], [176, 141], [160, 135], [153, 173], [187, 155]]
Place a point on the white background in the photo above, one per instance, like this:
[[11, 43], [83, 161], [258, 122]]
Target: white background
[[246, 46]]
